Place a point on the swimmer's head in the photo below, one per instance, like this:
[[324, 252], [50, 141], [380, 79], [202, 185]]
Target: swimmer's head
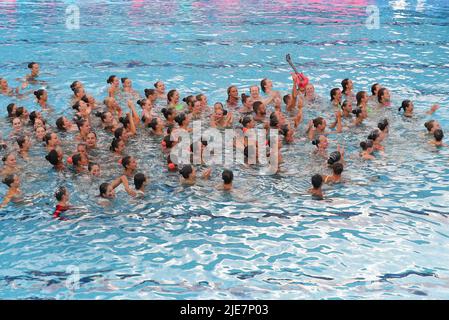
[[337, 168], [40, 94], [106, 191], [358, 112], [12, 181], [266, 84], [129, 162], [365, 145], [34, 67], [247, 122], [53, 157], [374, 89], [321, 142], [374, 135], [51, 139], [438, 135], [11, 108], [346, 106], [160, 87], [117, 145], [113, 80], [172, 96], [187, 171], [361, 97], [150, 93], [383, 95], [383, 125], [139, 180], [319, 123], [246, 100], [167, 142], [334, 157], [227, 176], [181, 119], [168, 113], [336, 94], [94, 169], [62, 194], [346, 84], [407, 105], [233, 92], [317, 181], [274, 121], [189, 100]]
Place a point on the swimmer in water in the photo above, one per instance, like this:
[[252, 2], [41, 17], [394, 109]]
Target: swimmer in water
[[14, 193], [203, 102], [227, 176], [336, 98], [362, 100], [147, 108], [55, 157], [317, 182], [127, 85], [24, 144], [337, 170], [321, 145], [318, 126], [383, 126], [183, 122], [233, 97], [42, 97], [169, 115], [360, 116], [408, 108], [188, 174], [267, 87], [197, 110], [114, 86], [129, 164], [347, 87], [383, 97], [35, 69], [255, 96], [157, 126], [151, 96], [117, 146], [438, 135], [247, 105], [431, 126], [107, 190], [113, 106], [140, 181], [62, 196], [9, 165], [94, 169], [40, 133], [376, 137], [160, 89], [64, 124], [260, 112], [374, 92], [173, 100], [367, 150], [84, 129], [108, 122], [17, 127], [91, 141], [221, 118]]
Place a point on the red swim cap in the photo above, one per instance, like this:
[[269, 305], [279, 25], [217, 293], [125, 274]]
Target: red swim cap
[[171, 166], [69, 160]]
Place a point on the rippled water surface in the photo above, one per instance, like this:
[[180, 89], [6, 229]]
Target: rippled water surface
[[382, 234]]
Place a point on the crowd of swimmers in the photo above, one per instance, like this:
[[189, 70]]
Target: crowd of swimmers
[[165, 115]]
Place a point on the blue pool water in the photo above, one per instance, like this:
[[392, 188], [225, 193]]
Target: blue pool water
[[383, 234]]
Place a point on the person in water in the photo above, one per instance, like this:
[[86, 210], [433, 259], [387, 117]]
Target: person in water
[[107, 190], [367, 150], [317, 182], [188, 174], [14, 193], [227, 176], [383, 97], [337, 170], [431, 126], [438, 136], [9, 164], [62, 196], [408, 107]]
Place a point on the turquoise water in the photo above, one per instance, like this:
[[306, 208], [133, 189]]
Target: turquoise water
[[383, 234]]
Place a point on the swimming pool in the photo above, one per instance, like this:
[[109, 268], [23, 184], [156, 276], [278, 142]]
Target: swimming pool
[[383, 234]]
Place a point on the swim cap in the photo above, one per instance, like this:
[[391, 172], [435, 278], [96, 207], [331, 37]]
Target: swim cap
[[171, 166], [69, 160], [334, 157]]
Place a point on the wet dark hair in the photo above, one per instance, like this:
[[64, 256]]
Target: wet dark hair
[[380, 93], [373, 88], [103, 189], [110, 79], [170, 94], [246, 120], [60, 123], [141, 102], [47, 137], [318, 121], [8, 180], [6, 156], [263, 84], [359, 97], [149, 92], [123, 79], [344, 104], [114, 144], [382, 125], [39, 93], [155, 84], [101, 115], [153, 124], [168, 142], [73, 85], [244, 98], [257, 105], [284, 129], [180, 118], [227, 176], [344, 84], [373, 135], [316, 142], [76, 91], [20, 141], [229, 93], [76, 106], [317, 181], [90, 165], [118, 133], [10, 109], [274, 121], [189, 100], [76, 158], [337, 168], [60, 193], [31, 64], [33, 116], [125, 121], [199, 96], [357, 112], [334, 157], [285, 98], [429, 125], [186, 171], [20, 111], [52, 157], [404, 105], [139, 179], [366, 144], [438, 135], [167, 112], [125, 161], [333, 93], [80, 123]]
